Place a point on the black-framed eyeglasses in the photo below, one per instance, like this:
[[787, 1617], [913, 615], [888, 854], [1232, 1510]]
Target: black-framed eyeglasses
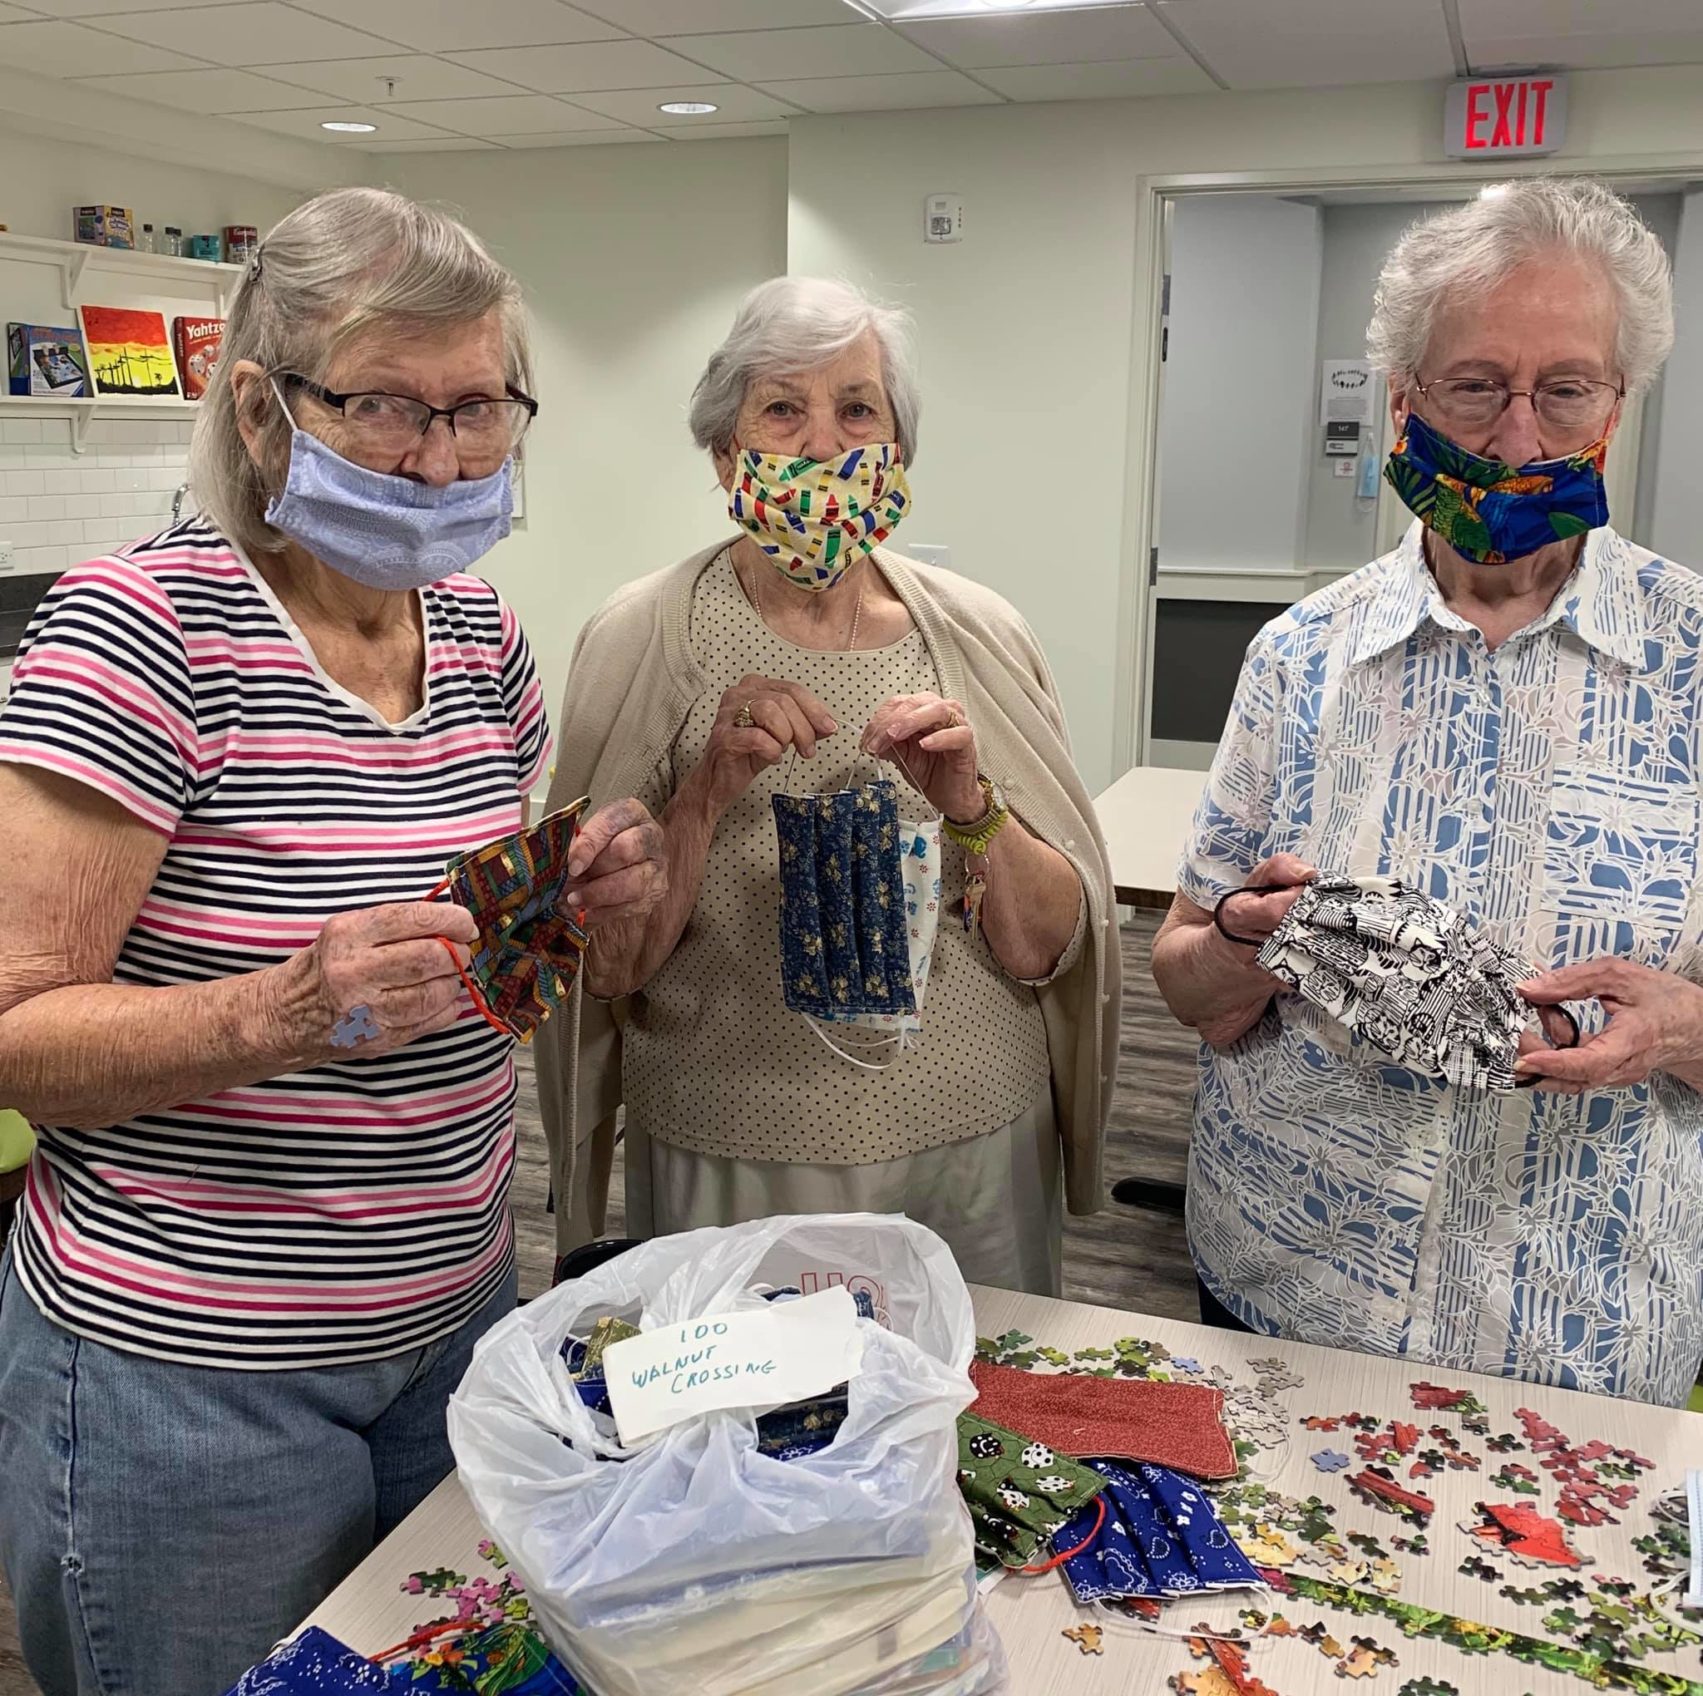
[[1566, 403], [384, 423]]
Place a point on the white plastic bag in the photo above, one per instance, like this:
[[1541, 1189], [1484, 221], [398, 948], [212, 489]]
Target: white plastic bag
[[696, 1562]]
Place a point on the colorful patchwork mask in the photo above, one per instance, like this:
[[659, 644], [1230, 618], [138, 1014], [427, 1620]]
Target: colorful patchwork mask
[[1020, 1493], [528, 953], [1160, 1537], [845, 946], [1490, 511], [1410, 975], [815, 518]]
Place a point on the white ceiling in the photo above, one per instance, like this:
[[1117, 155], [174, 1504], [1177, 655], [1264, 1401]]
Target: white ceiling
[[547, 73]]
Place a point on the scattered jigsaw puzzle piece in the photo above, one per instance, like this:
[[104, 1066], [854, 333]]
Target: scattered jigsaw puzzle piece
[[1524, 1534], [1088, 1639], [1331, 1460]]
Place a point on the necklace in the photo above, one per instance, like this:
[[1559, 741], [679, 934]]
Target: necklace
[[756, 594]]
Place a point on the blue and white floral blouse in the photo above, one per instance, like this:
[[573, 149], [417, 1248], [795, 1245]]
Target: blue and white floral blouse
[[1551, 791]]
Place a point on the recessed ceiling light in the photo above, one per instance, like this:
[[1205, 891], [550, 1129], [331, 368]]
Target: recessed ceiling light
[[348, 128], [686, 108]]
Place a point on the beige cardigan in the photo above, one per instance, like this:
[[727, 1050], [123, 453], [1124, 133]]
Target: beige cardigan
[[632, 683]]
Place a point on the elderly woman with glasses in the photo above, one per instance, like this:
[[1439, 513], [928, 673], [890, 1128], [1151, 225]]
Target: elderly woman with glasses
[[1503, 714], [799, 658], [267, 1219]]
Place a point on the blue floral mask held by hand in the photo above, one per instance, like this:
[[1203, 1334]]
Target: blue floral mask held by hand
[[1490, 511]]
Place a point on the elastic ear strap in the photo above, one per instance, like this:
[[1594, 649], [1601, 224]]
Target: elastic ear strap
[[1554, 1006], [1071, 1554], [852, 1059], [1230, 895], [473, 989]]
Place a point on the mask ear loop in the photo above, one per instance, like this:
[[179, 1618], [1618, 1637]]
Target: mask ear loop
[[896, 1044]]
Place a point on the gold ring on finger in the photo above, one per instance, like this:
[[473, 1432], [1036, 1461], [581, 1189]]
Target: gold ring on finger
[[744, 719]]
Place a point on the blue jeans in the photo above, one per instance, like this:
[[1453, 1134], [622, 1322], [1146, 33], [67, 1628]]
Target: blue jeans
[[163, 1526]]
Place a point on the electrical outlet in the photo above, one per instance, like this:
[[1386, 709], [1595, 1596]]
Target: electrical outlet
[[8, 557]]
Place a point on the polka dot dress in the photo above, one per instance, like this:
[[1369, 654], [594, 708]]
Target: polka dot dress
[[714, 1060]]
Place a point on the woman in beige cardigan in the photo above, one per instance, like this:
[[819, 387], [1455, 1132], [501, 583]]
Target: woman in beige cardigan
[[768, 664]]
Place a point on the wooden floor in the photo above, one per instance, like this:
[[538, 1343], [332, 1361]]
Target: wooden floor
[[1122, 1257]]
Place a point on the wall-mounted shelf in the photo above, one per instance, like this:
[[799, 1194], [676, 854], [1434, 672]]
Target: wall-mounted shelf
[[83, 411], [121, 269]]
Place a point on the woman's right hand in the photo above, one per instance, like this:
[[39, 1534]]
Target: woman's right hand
[[782, 715], [387, 960], [1257, 916]]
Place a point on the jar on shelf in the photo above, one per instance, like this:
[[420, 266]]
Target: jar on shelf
[[172, 241], [147, 241]]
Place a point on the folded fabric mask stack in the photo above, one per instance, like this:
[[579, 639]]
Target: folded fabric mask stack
[[1410, 975]]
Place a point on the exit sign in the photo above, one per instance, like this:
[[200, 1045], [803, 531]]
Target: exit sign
[[1505, 117]]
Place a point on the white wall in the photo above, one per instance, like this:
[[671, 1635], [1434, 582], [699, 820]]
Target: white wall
[[633, 259], [1237, 400], [1675, 528], [1026, 326]]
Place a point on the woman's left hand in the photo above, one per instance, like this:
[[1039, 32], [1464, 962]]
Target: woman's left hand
[[618, 867], [933, 743], [1655, 1024]]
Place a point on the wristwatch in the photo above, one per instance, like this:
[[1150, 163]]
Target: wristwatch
[[976, 837]]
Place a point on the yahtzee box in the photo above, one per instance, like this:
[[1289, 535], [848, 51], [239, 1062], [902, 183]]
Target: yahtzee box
[[43, 359], [196, 343]]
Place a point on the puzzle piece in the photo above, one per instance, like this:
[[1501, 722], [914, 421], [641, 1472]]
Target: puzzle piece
[[1374, 1486], [1427, 1686], [1521, 1480], [1436, 1397], [1524, 1534], [1506, 1444], [1364, 1658], [1476, 1566], [1414, 1545], [355, 1027], [1331, 1460], [1087, 1638]]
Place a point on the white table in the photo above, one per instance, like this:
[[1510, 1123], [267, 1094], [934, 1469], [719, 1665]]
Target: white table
[[1145, 816], [1340, 1589]]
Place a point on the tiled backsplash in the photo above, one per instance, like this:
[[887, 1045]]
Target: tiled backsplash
[[58, 508]]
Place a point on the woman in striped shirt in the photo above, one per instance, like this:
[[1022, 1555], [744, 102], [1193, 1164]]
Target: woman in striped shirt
[[268, 1218]]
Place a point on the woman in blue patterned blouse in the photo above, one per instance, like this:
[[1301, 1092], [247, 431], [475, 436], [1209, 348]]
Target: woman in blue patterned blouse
[[1504, 712]]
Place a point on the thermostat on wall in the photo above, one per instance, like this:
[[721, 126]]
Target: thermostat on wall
[[943, 218]]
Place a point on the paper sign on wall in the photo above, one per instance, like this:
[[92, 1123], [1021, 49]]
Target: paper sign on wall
[[1346, 391], [783, 1352]]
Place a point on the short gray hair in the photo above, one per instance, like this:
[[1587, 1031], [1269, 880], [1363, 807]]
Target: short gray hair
[[1473, 247], [347, 262], [791, 324]]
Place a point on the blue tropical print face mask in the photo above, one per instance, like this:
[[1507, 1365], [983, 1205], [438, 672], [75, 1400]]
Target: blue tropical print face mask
[[1487, 510]]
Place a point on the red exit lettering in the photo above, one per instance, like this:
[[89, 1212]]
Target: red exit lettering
[[1503, 115]]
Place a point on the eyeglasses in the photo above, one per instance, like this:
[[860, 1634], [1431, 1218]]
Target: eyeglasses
[[485, 430], [1567, 404]]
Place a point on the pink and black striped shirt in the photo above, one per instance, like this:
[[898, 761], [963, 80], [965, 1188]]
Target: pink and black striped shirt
[[334, 1215]]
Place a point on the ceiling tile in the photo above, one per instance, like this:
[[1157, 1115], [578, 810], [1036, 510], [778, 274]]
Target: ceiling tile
[[15, 15], [1058, 38], [848, 50], [734, 105], [1315, 43], [590, 67], [576, 138], [513, 114], [221, 90], [432, 144], [908, 9], [1569, 17], [258, 34], [443, 26], [306, 124], [418, 76], [53, 47], [88, 8], [1119, 79], [1611, 50], [683, 17], [726, 132], [883, 94]]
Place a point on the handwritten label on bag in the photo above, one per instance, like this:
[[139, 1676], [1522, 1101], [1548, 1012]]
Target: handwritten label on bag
[[784, 1352]]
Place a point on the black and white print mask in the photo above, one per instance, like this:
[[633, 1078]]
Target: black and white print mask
[[1411, 976]]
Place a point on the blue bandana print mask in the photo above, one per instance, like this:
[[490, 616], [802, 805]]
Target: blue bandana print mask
[[1489, 511], [1161, 1537]]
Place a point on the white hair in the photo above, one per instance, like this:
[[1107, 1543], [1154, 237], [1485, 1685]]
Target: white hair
[[1471, 248], [792, 324], [344, 264]]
